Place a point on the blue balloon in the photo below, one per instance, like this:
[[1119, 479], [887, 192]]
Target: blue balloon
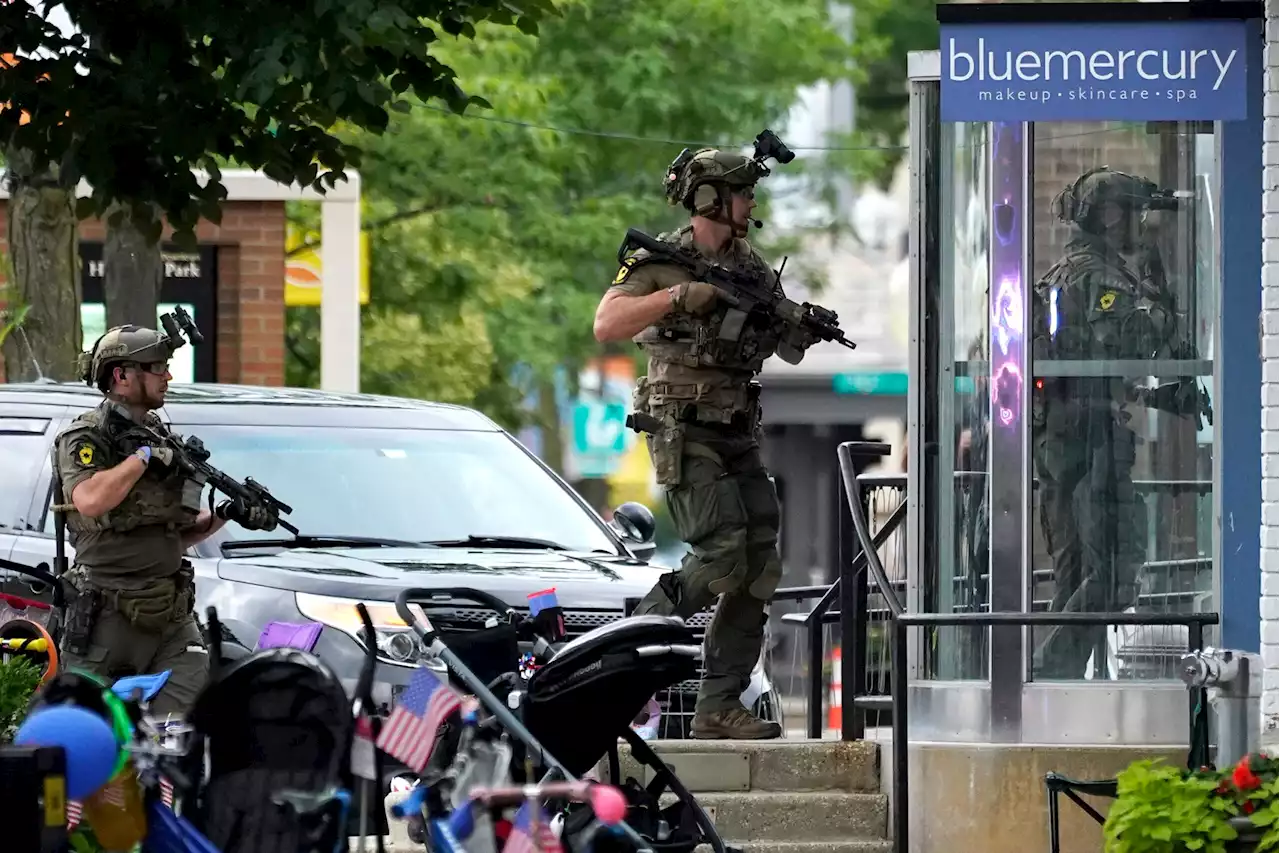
[[87, 739]]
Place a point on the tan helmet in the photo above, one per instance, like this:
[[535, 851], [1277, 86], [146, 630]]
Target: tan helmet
[[702, 180], [123, 345]]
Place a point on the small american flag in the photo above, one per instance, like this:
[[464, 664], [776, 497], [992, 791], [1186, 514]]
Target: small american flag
[[112, 795], [409, 734], [525, 838]]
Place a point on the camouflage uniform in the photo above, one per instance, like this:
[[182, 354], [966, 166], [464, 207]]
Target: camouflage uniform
[[131, 595], [707, 456], [1092, 305]]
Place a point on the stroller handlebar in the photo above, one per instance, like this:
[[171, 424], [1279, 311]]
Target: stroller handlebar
[[411, 594]]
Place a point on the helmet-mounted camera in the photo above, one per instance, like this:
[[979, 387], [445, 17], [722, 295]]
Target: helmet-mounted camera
[[136, 344], [769, 145], [178, 323]]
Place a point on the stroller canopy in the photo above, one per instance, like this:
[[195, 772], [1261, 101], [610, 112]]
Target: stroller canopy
[[279, 708], [279, 727], [579, 704]]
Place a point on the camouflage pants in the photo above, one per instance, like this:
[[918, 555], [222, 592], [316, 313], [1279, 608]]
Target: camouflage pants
[[1095, 530], [726, 509], [118, 648]]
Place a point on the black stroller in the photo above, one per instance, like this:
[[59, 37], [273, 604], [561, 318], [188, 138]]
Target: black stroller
[[573, 710], [277, 728]]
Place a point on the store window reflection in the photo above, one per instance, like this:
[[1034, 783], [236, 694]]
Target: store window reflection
[[1121, 436], [960, 583]]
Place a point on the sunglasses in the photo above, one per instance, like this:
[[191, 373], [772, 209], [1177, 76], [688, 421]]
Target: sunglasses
[[155, 368]]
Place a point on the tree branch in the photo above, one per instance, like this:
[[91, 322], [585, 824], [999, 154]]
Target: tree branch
[[392, 219]]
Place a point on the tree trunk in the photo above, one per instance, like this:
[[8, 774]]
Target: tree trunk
[[132, 269], [45, 276]]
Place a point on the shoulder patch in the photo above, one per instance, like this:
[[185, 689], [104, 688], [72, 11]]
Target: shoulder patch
[[84, 453], [1106, 300], [624, 270]]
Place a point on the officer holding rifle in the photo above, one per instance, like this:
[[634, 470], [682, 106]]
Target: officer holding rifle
[[708, 311], [132, 507]]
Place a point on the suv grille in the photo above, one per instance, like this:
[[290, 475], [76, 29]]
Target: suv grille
[[677, 701]]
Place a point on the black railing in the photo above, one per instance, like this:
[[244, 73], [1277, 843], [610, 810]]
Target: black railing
[[848, 594], [1195, 623], [903, 622]]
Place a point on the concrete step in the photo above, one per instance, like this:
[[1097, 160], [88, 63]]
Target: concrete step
[[779, 765], [766, 822], [767, 817], [803, 847]]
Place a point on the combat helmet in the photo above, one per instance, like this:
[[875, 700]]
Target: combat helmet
[[1096, 188], [701, 181], [123, 345]]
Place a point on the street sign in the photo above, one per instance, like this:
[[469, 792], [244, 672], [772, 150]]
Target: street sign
[[599, 427], [885, 383], [870, 383]]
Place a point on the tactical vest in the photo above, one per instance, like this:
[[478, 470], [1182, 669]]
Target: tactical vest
[[160, 497], [703, 367], [1148, 329]]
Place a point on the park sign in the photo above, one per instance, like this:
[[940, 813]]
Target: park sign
[[1094, 71]]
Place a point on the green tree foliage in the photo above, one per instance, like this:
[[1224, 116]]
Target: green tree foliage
[[143, 91], [494, 236], [140, 93], [885, 31]]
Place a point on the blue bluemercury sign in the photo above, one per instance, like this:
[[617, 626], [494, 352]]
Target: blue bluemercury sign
[[1157, 71]]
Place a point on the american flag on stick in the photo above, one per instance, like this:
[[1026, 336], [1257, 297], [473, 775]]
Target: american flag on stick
[[525, 837], [113, 795], [409, 734]]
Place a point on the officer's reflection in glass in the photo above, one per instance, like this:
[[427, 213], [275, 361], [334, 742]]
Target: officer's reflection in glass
[[974, 527], [1107, 299]]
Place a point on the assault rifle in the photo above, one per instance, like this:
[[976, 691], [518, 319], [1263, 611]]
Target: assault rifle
[[747, 293], [192, 457]]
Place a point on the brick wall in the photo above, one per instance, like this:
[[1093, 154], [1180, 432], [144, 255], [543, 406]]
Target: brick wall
[[1064, 151], [1270, 533], [250, 244]]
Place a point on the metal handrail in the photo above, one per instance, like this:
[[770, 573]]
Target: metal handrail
[[1194, 622], [851, 590]]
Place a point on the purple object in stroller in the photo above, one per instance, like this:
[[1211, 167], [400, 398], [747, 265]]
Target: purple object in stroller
[[290, 635]]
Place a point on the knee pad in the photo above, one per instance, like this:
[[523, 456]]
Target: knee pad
[[727, 569], [764, 582]]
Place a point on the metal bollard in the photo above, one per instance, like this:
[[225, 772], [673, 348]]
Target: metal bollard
[[1234, 682]]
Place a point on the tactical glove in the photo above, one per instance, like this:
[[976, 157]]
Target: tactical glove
[[250, 518], [150, 453], [696, 297]]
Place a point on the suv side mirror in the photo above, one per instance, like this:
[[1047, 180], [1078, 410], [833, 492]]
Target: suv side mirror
[[635, 522]]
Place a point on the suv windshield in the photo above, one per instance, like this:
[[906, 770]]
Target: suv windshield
[[409, 484]]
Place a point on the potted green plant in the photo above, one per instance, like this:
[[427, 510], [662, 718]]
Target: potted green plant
[[1163, 809], [19, 679]]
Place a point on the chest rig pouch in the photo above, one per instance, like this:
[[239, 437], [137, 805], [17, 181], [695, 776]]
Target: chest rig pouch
[[727, 337], [163, 495]]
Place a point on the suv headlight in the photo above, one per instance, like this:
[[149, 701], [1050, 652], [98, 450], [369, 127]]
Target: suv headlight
[[396, 641]]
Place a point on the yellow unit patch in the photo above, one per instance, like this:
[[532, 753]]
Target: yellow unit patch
[[624, 271], [85, 454], [1107, 300]]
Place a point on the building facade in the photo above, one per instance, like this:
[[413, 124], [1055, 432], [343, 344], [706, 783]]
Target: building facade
[[1270, 322], [239, 303]]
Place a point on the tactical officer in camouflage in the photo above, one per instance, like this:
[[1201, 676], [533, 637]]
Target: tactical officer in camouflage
[[707, 454], [1106, 299], [130, 513]]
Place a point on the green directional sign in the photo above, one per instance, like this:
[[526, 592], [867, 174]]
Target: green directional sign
[[892, 384], [870, 383], [599, 428]]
